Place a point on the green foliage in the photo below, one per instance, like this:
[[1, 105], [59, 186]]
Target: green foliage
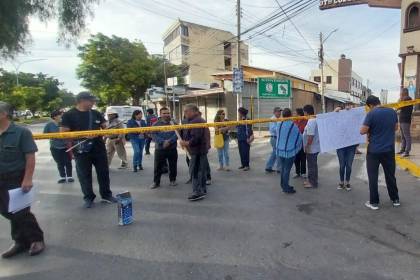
[[115, 69], [52, 96], [32, 97], [15, 14]]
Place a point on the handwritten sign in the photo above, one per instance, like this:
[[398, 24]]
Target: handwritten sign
[[340, 129]]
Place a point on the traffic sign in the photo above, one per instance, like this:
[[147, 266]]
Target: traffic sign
[[238, 80], [274, 89]]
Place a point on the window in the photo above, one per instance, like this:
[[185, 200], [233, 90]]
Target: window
[[184, 30], [171, 36], [412, 17], [228, 63], [185, 49], [317, 79], [329, 80]]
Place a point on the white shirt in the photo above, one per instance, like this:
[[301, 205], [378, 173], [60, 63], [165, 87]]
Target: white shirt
[[311, 129]]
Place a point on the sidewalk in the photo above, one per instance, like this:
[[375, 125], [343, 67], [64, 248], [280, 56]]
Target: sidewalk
[[411, 163]]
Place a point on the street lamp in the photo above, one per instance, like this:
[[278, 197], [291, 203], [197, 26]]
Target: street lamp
[[20, 64]]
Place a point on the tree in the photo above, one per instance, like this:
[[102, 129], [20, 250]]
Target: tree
[[113, 68], [172, 70], [15, 14], [32, 97]]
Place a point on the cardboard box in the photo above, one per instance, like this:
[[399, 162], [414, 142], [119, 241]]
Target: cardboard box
[[125, 208]]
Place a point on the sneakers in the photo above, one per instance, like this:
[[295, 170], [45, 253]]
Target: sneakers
[[141, 167], [88, 204], [208, 182], [123, 166], [227, 168], [188, 182], [396, 203], [220, 168], [406, 154], [70, 179], [110, 199], [195, 197], [341, 186], [173, 183], [61, 180], [246, 168], [269, 171], [154, 186], [296, 176], [135, 169], [290, 191], [400, 152], [371, 206], [241, 167], [348, 187]]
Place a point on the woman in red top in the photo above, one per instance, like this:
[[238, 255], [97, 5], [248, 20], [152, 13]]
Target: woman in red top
[[300, 159]]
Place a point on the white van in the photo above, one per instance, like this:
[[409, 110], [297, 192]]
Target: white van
[[124, 112]]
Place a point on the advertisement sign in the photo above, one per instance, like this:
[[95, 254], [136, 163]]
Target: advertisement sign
[[274, 89], [329, 4], [238, 80]]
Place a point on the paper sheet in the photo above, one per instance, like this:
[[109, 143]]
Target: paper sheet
[[19, 200], [340, 129]]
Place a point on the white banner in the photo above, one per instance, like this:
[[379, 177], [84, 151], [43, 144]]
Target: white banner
[[340, 129]]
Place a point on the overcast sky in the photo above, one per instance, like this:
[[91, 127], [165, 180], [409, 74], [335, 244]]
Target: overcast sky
[[369, 36]]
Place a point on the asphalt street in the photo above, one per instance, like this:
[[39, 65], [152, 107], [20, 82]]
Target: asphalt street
[[246, 228]]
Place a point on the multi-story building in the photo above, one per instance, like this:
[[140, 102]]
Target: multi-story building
[[202, 50], [339, 76], [384, 96]]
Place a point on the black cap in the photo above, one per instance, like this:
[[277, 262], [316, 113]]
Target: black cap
[[85, 95]]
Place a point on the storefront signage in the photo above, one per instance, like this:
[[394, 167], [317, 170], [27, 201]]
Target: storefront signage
[[329, 4]]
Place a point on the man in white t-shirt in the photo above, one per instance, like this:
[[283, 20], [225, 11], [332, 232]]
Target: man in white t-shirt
[[312, 147]]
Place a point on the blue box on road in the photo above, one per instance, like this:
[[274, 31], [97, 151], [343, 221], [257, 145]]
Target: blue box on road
[[125, 208]]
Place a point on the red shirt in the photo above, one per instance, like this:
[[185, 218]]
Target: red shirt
[[301, 124]]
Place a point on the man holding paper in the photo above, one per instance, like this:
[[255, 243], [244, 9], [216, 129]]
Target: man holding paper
[[17, 164]]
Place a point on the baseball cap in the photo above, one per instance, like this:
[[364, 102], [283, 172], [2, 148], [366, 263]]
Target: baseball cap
[[85, 95]]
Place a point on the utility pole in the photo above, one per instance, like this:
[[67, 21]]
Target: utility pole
[[164, 77], [321, 66], [238, 51]]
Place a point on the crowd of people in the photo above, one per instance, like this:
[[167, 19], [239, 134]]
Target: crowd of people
[[292, 143]]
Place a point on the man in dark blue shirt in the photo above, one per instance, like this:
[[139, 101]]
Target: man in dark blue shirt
[[380, 125]]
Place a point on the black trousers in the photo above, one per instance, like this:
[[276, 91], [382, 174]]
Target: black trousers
[[208, 174], [387, 160], [162, 157], [199, 165], [147, 145], [24, 226], [300, 162], [244, 149], [63, 161], [84, 161]]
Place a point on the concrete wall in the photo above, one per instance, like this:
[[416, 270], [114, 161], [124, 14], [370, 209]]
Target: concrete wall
[[409, 38]]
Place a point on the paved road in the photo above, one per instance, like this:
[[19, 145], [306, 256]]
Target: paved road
[[245, 229]]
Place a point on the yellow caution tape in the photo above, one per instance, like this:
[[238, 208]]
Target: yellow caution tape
[[106, 132], [407, 164]]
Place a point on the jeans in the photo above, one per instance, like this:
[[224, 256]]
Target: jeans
[[198, 172], [273, 156], [387, 160], [63, 161], [147, 145], [24, 226], [162, 156], [244, 148], [286, 165], [405, 137], [138, 146], [223, 154], [345, 159], [300, 162], [208, 174], [313, 169], [84, 161]]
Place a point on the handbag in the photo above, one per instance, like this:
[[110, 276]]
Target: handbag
[[219, 142]]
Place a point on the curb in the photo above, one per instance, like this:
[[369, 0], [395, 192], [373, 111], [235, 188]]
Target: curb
[[408, 165]]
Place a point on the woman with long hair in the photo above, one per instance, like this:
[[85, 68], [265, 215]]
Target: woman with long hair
[[222, 152], [245, 137], [137, 139]]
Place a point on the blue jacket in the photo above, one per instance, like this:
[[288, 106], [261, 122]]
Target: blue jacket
[[244, 132], [133, 123], [289, 139], [160, 137]]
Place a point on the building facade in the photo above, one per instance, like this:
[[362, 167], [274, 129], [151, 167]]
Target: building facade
[[202, 50], [340, 77]]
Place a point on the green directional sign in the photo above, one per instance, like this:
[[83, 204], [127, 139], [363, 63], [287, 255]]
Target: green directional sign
[[274, 89]]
